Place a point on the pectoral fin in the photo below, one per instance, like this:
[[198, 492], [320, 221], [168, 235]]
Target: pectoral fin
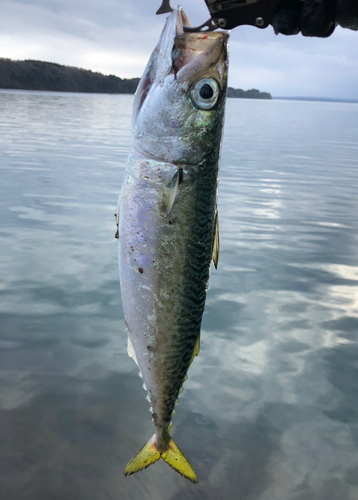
[[170, 192], [216, 245]]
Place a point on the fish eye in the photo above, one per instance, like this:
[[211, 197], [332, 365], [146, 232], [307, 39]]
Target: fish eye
[[205, 93]]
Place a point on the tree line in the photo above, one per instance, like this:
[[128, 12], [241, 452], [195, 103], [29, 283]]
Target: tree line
[[248, 94], [39, 75]]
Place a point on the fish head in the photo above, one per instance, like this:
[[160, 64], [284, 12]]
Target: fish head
[[179, 104]]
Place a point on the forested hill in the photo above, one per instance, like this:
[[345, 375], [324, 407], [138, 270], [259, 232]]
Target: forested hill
[[248, 94], [39, 75]]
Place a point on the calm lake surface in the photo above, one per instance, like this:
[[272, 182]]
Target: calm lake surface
[[270, 409]]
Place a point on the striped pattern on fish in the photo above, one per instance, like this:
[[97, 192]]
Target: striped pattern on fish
[[167, 220]]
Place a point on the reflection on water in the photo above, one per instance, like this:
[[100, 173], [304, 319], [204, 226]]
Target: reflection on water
[[270, 409]]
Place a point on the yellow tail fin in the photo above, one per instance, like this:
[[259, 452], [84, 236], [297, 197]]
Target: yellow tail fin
[[173, 456], [144, 458], [177, 460]]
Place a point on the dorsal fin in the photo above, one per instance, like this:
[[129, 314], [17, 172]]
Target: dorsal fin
[[196, 350], [195, 353], [216, 245]]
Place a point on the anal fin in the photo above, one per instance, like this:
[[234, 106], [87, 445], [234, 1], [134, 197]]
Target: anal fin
[[117, 217], [131, 351]]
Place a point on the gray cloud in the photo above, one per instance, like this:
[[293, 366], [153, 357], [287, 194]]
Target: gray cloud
[[118, 36]]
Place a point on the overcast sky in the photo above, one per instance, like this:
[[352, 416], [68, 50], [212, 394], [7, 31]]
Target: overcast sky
[[117, 37]]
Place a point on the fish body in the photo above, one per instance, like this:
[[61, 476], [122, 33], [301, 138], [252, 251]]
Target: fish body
[[167, 218]]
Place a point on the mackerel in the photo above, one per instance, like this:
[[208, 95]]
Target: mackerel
[[167, 219]]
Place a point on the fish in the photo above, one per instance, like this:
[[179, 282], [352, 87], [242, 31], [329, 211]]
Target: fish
[[167, 221]]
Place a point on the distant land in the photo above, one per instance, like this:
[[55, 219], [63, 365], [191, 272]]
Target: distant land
[[248, 94], [315, 99], [39, 75]]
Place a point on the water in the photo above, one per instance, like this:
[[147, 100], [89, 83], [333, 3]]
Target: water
[[270, 409]]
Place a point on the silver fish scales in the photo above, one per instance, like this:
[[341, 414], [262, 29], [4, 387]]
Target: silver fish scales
[[167, 218]]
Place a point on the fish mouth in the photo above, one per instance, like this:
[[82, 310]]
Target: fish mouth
[[178, 53]]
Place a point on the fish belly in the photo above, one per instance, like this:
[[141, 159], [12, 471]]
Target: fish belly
[[166, 228]]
